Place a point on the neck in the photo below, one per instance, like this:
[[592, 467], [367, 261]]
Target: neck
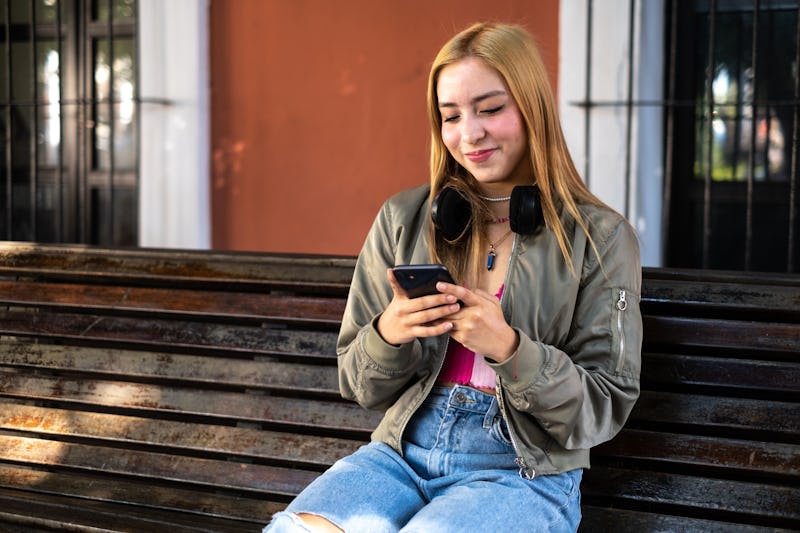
[[498, 209]]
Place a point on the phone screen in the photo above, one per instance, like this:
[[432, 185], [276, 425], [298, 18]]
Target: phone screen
[[420, 280]]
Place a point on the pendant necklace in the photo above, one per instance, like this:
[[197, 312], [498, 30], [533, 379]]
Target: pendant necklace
[[493, 252]]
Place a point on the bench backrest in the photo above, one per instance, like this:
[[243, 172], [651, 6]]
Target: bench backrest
[[202, 385]]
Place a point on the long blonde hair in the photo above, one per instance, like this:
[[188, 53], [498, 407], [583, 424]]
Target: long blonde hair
[[511, 51]]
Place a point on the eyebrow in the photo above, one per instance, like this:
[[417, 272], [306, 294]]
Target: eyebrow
[[477, 99]]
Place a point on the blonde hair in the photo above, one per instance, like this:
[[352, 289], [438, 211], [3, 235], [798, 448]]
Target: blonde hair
[[511, 51]]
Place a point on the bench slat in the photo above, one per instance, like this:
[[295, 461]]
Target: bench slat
[[160, 401], [255, 508], [727, 499], [737, 335], [169, 267], [766, 295], [158, 468], [309, 451], [170, 335], [653, 408], [745, 374], [50, 512], [618, 520], [186, 369], [245, 307], [747, 417], [737, 456]]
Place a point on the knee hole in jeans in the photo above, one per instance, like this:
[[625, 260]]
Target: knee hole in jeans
[[317, 523]]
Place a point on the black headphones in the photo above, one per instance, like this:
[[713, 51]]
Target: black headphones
[[451, 211]]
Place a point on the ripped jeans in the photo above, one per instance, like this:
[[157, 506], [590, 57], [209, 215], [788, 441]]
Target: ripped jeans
[[457, 473]]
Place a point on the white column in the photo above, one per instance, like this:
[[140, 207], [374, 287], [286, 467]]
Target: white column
[[174, 194]]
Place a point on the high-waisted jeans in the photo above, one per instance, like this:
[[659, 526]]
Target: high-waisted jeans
[[457, 474]]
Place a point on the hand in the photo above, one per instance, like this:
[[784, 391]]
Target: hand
[[480, 326], [406, 319]]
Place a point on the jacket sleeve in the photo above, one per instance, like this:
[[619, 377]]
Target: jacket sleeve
[[371, 371], [582, 392]]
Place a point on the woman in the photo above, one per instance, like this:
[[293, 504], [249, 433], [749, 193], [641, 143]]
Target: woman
[[494, 389]]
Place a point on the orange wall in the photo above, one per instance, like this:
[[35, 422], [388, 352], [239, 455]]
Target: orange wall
[[318, 111]]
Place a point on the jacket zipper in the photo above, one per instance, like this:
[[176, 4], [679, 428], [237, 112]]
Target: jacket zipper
[[622, 305], [525, 471]]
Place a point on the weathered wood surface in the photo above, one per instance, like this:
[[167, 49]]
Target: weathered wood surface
[[197, 391]]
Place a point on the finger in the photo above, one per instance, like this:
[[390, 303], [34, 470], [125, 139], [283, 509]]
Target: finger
[[435, 300], [487, 295], [433, 329], [466, 296], [437, 313]]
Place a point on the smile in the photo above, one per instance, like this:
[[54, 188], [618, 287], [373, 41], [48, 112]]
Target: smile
[[480, 156]]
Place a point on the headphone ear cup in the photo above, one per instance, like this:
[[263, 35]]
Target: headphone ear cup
[[451, 213], [525, 209]]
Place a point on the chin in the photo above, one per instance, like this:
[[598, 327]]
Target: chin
[[490, 178]]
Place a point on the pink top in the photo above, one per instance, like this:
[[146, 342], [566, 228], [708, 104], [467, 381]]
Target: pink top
[[465, 367]]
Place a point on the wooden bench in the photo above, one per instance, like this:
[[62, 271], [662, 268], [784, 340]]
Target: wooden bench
[[150, 390]]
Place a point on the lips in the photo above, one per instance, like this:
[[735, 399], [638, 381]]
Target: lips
[[480, 156]]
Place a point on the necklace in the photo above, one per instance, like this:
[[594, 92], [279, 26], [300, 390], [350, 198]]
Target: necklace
[[494, 199], [493, 252]]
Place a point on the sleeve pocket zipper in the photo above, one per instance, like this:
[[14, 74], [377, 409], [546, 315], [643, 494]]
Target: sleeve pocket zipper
[[622, 305]]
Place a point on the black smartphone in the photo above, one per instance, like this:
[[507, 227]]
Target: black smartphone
[[420, 280]]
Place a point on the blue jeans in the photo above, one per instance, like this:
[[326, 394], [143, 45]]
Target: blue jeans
[[457, 474]]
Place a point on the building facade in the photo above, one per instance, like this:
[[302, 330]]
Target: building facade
[[277, 125]]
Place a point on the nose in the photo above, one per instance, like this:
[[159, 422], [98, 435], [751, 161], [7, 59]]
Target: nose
[[472, 130]]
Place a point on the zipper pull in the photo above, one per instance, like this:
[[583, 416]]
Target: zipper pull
[[622, 303], [525, 472]]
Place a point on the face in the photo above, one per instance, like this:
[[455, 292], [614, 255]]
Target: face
[[482, 127]]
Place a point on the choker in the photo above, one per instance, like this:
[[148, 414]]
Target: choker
[[494, 199]]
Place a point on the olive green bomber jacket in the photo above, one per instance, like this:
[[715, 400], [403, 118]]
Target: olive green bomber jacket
[[575, 377]]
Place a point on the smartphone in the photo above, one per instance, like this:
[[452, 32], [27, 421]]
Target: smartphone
[[420, 280]]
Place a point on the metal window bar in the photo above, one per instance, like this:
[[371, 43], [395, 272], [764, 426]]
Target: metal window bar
[[111, 137], [60, 177], [791, 265], [712, 34], [84, 118], [587, 99], [8, 132], [34, 157], [748, 239], [669, 148], [629, 106]]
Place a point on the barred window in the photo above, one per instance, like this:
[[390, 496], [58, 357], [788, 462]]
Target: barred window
[[733, 98], [68, 120], [685, 119]]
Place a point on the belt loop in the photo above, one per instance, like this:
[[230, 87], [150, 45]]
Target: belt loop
[[491, 414]]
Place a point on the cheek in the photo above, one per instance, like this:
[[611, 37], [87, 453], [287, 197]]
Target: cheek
[[451, 138], [511, 127]]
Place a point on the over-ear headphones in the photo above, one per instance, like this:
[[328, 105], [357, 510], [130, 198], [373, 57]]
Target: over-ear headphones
[[451, 211]]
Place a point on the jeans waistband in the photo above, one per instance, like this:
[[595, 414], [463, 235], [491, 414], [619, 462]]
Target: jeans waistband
[[463, 397]]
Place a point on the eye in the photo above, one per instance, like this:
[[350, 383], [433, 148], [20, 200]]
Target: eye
[[450, 118], [493, 110]]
